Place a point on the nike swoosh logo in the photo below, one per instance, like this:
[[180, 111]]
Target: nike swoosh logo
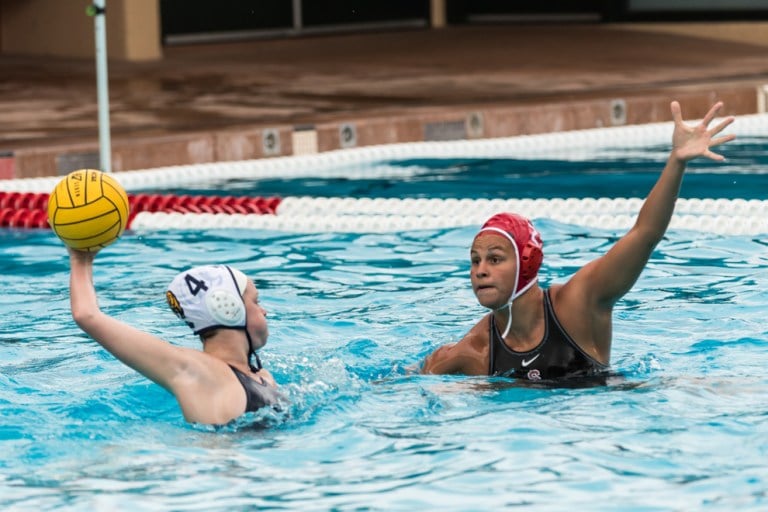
[[526, 362]]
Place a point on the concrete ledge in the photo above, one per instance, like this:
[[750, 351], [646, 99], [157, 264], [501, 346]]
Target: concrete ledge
[[464, 122], [143, 153]]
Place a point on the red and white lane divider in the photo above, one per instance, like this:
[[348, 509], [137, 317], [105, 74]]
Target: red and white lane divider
[[312, 214], [30, 209]]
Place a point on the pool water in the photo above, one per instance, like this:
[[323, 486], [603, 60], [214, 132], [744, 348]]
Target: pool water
[[350, 316]]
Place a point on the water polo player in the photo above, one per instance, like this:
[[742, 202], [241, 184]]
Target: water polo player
[[213, 386], [564, 331]]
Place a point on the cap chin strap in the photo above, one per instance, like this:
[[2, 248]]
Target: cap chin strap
[[241, 281], [509, 305], [252, 353], [515, 294]]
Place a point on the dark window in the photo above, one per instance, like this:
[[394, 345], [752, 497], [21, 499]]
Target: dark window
[[344, 12], [183, 17]]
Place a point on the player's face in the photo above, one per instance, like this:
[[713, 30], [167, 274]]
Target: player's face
[[256, 315], [494, 264]]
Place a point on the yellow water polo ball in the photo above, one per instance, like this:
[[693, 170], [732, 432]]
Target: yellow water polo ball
[[88, 210]]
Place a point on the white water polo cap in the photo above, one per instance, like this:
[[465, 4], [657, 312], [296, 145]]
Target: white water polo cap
[[209, 297]]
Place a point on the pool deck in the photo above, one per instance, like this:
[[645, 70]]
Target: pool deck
[[266, 98]]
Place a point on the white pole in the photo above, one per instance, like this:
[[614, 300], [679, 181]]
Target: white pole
[[102, 85]]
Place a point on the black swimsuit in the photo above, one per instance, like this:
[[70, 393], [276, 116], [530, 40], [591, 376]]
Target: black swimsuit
[[257, 395], [556, 356]]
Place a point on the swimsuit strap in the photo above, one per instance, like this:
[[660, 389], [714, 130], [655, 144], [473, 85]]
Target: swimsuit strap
[[258, 365]]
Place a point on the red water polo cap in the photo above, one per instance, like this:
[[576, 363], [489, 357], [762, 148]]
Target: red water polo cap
[[526, 241]]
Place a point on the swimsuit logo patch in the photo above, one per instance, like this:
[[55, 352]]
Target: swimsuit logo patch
[[526, 362], [534, 375]]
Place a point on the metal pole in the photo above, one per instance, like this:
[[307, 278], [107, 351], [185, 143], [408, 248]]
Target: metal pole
[[298, 17], [97, 10]]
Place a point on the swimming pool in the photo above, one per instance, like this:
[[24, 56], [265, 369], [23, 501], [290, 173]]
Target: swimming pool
[[350, 311]]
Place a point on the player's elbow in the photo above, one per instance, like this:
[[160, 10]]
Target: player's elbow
[[426, 366], [438, 362], [84, 317], [646, 238]]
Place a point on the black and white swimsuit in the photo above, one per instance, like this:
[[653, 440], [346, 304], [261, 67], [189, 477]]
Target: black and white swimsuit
[[555, 357], [257, 395]]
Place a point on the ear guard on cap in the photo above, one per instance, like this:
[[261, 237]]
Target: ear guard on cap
[[530, 259], [225, 308]]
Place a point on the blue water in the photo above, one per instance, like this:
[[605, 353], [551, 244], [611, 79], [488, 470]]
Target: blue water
[[350, 316]]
